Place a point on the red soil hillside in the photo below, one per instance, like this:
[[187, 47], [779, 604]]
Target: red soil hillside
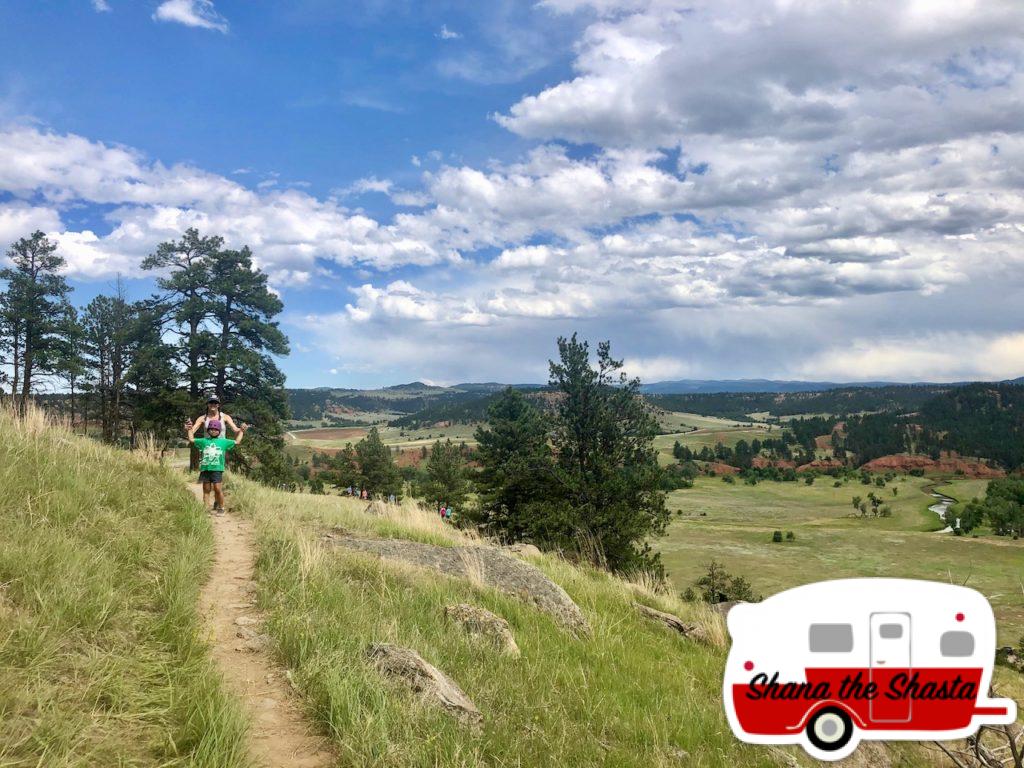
[[720, 469], [762, 462], [822, 465], [948, 463]]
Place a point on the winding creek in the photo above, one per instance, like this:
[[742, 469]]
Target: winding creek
[[941, 507]]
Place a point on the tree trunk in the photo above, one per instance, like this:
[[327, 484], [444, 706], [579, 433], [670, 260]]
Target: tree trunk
[[16, 359], [26, 375], [193, 383], [225, 338]]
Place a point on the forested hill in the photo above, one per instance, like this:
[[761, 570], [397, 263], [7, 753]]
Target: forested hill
[[845, 400], [979, 420]]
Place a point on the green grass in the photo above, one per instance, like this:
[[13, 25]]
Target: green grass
[[628, 696], [734, 523], [101, 662]]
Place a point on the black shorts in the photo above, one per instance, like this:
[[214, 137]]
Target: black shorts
[[209, 476]]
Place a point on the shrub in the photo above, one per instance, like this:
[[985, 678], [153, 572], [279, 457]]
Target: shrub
[[777, 537], [719, 586], [790, 536], [729, 479]]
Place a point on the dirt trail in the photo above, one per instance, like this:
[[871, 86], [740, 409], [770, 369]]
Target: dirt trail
[[279, 735]]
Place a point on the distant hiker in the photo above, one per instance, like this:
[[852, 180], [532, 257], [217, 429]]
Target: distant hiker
[[212, 412], [213, 451]]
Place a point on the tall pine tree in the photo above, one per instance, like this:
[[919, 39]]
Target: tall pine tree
[[32, 305], [606, 465]]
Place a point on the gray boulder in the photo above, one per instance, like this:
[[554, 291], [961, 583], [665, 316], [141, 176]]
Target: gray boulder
[[673, 622], [486, 566], [481, 623], [408, 667]]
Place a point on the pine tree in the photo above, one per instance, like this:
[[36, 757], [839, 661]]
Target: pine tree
[[514, 481], [32, 305], [446, 476], [378, 472], [607, 467], [245, 375]]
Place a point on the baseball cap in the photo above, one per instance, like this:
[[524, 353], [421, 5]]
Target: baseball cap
[[214, 424]]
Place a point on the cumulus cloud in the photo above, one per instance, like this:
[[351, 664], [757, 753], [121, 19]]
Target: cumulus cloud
[[809, 189], [191, 13], [149, 202], [101, 6]]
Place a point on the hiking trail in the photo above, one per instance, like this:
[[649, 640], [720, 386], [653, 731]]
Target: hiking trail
[[279, 734]]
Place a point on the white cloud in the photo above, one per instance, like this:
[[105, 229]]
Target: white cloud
[[448, 34], [101, 6], [149, 202], [191, 13], [947, 356]]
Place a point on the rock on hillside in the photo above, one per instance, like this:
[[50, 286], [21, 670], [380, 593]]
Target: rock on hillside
[[425, 679], [673, 622], [479, 622], [487, 565], [951, 463]]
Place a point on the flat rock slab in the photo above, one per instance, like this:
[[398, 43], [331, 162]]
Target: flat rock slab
[[673, 622], [481, 623], [487, 565], [407, 666]]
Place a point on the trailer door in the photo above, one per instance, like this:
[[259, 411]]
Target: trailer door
[[890, 655]]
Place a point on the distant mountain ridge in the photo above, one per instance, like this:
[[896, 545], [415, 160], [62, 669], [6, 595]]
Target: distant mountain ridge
[[711, 386]]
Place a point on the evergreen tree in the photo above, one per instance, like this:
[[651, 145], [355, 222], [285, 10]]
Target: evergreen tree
[[32, 306], [245, 375], [514, 481], [107, 324], [378, 472], [69, 362], [446, 476], [186, 300], [607, 467]]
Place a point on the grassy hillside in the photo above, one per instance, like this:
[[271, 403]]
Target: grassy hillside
[[102, 559], [631, 695]]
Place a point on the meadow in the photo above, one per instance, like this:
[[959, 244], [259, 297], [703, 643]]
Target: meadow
[[734, 523]]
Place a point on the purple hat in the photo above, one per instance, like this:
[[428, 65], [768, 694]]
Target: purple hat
[[214, 424]]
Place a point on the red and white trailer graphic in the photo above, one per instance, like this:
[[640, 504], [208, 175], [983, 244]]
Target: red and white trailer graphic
[[828, 664]]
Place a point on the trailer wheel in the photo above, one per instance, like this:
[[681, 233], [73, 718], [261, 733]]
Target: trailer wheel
[[830, 729]]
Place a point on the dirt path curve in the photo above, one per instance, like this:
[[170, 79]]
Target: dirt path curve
[[279, 736]]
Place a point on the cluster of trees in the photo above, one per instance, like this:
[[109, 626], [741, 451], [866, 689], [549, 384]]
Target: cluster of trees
[[582, 478], [742, 454], [1002, 508], [370, 466], [876, 503], [143, 366]]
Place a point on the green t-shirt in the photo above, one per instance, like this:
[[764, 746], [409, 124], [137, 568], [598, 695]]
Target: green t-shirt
[[212, 451]]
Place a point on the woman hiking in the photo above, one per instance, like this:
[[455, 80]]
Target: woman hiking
[[213, 413]]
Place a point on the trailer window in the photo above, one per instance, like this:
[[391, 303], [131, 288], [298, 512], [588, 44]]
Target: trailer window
[[890, 631], [831, 638], [956, 644]]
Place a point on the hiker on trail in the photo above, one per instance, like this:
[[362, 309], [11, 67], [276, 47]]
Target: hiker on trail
[[212, 412], [213, 451]]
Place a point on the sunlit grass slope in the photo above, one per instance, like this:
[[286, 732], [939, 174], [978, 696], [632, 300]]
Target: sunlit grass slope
[[102, 555], [633, 694]]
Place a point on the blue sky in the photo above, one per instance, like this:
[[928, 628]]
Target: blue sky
[[438, 190]]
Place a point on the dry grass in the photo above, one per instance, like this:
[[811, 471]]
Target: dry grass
[[101, 662]]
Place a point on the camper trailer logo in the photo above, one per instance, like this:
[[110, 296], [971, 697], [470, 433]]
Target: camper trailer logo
[[829, 664]]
